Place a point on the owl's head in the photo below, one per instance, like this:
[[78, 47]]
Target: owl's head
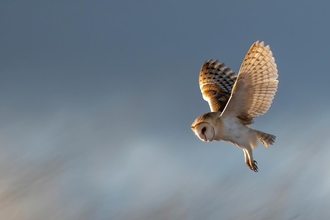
[[204, 126]]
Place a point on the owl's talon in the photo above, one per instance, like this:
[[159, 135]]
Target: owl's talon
[[254, 166]]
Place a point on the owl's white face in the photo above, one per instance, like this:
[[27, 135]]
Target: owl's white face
[[204, 131]]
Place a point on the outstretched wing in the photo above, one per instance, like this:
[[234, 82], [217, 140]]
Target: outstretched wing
[[255, 86], [216, 82]]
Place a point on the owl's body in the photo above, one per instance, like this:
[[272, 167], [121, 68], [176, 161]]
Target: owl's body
[[236, 100], [232, 130]]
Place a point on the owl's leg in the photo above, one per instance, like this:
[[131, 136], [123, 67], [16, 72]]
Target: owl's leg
[[252, 164]]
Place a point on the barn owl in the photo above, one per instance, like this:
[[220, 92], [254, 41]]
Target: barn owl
[[235, 100]]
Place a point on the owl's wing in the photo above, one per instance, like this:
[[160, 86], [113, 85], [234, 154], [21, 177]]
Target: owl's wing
[[216, 82], [255, 86]]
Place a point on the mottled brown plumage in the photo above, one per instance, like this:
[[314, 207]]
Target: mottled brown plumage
[[216, 82]]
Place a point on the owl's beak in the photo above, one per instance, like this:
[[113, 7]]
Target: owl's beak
[[203, 137]]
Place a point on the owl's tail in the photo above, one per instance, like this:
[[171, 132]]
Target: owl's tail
[[265, 138]]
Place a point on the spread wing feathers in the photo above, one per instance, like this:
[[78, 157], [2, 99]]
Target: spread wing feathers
[[255, 86], [216, 82]]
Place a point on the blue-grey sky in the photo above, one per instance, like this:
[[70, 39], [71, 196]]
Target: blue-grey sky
[[98, 97]]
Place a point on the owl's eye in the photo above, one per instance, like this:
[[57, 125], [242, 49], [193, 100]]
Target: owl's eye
[[203, 130]]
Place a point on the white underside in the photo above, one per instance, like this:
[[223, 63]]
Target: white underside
[[237, 133]]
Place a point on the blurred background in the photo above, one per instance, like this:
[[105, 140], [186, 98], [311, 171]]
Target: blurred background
[[97, 99]]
